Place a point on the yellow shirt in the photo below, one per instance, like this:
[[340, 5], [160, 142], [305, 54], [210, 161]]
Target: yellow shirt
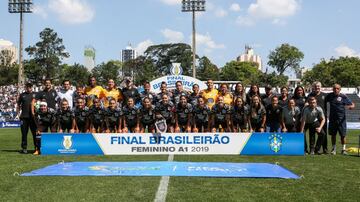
[[113, 93], [210, 97], [97, 91], [228, 98]]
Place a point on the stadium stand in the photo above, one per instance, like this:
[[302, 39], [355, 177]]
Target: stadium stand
[[354, 115]]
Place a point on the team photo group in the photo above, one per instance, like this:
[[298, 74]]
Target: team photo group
[[94, 109]]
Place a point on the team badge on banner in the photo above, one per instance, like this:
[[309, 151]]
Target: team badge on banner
[[275, 142], [67, 142]]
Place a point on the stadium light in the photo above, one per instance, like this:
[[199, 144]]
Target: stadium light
[[193, 6], [20, 6]]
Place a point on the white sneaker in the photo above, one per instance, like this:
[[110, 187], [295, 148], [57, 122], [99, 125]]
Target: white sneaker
[[333, 152]]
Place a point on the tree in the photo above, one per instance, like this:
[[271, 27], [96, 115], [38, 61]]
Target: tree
[[285, 57], [273, 79], [246, 72], [8, 68], [207, 70], [105, 71], [344, 70], [164, 55], [144, 69], [76, 74], [48, 53]]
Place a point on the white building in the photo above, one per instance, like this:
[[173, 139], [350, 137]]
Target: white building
[[249, 56], [13, 52], [89, 57], [128, 54]]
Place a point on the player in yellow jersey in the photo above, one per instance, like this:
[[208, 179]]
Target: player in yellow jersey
[[112, 92], [210, 94], [93, 91], [228, 97]]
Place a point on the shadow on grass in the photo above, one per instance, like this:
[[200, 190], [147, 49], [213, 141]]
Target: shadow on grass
[[16, 151]]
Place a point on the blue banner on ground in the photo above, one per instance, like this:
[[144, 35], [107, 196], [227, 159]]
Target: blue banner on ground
[[173, 143], [10, 124], [164, 168]]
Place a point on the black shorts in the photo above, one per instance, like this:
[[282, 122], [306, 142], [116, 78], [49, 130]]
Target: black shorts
[[221, 123], [200, 124], [337, 126]]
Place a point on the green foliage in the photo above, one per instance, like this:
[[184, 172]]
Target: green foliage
[[105, 71], [344, 70], [273, 79], [48, 53], [284, 57], [164, 55], [207, 70], [8, 69], [34, 73], [76, 74], [144, 69], [245, 72]]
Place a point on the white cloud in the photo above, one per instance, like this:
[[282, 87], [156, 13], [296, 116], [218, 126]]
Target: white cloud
[[172, 36], [220, 13], [343, 50], [171, 2], [39, 10], [245, 21], [72, 11], [235, 7], [274, 10], [207, 42], [142, 46], [278, 21]]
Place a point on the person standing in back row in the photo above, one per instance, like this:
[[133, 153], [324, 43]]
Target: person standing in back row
[[49, 94], [337, 119], [26, 117]]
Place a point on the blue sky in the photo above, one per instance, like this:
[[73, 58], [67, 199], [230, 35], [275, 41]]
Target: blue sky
[[319, 28]]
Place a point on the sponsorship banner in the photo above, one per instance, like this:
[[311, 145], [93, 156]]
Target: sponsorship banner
[[10, 124], [187, 82], [165, 168], [173, 143]]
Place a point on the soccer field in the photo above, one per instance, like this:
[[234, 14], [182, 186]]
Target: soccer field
[[325, 178]]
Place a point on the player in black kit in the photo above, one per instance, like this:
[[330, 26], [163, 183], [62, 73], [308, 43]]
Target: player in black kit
[[165, 110], [44, 120], [183, 115], [201, 116], [130, 117], [239, 115], [81, 116], [113, 118], [65, 118], [147, 116], [220, 116], [97, 114]]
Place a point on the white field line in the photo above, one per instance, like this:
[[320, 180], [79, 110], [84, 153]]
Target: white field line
[[163, 186]]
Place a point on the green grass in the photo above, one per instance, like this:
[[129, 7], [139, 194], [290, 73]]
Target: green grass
[[325, 178]]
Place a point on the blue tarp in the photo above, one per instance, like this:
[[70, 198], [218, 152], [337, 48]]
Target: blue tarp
[[165, 168]]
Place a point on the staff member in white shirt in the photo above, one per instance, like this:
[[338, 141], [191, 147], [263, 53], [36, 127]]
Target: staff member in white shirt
[[66, 93]]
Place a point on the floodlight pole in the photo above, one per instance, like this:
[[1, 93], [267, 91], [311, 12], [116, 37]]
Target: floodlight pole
[[194, 44], [193, 6], [20, 6], [21, 78]]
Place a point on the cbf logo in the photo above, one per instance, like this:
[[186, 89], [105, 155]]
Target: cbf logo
[[176, 69], [67, 142], [275, 142]]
